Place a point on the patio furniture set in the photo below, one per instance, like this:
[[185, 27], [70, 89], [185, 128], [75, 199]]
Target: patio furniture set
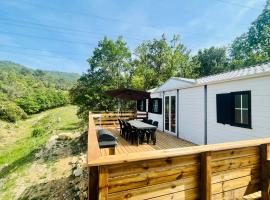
[[135, 131]]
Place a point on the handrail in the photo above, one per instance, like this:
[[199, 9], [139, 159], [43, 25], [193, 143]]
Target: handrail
[[93, 150], [168, 153]]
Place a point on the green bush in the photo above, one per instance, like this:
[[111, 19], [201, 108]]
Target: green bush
[[38, 131], [9, 111]]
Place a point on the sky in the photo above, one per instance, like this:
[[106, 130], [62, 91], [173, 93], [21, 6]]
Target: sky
[[60, 35]]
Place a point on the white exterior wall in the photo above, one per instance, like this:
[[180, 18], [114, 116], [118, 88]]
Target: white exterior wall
[[156, 117], [260, 111], [191, 114]]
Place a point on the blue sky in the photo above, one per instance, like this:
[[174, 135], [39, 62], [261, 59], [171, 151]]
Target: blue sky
[[60, 35]]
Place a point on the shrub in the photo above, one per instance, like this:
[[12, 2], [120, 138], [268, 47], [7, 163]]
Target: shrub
[[38, 131], [9, 111]]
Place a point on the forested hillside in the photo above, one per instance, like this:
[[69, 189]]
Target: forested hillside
[[25, 91]]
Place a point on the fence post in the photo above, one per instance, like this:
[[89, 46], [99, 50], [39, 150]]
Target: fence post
[[93, 183], [103, 183], [206, 176], [265, 171], [112, 151]]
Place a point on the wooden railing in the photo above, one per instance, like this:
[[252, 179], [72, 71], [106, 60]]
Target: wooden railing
[[110, 119], [219, 171]]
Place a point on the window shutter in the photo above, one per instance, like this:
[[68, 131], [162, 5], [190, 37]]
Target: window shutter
[[150, 105], [224, 108], [159, 106], [138, 105], [144, 105]]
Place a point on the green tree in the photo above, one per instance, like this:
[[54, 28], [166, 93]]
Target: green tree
[[158, 60], [253, 47], [210, 61], [109, 69]]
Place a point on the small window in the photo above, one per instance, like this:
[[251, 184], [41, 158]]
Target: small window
[[141, 105], [241, 109], [234, 109], [155, 105]]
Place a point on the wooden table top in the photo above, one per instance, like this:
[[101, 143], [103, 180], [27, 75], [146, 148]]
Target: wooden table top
[[141, 125]]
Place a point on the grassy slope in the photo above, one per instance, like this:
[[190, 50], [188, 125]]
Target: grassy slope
[[18, 148]]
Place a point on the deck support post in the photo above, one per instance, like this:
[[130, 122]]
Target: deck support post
[[103, 183], [265, 171], [112, 151], [93, 183], [206, 176]]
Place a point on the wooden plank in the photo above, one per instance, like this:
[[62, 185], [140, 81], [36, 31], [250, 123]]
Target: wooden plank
[[228, 164], [143, 166], [235, 173], [192, 194], [206, 176], [93, 180], [93, 151], [235, 153], [103, 183], [245, 181], [138, 180], [265, 171], [237, 193], [156, 190], [158, 154]]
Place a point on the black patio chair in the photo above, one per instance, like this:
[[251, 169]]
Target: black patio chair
[[149, 121], [125, 129], [151, 134], [121, 128], [144, 120], [131, 134]]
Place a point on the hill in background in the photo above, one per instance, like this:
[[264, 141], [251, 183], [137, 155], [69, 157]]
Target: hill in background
[[61, 80], [25, 91]]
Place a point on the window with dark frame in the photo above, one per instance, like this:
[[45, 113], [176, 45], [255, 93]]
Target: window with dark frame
[[241, 109], [155, 105], [234, 108], [141, 105]]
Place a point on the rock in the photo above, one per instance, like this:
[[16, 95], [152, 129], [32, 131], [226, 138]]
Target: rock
[[78, 172], [52, 141], [39, 154], [66, 136]]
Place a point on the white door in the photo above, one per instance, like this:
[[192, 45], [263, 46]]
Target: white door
[[170, 114]]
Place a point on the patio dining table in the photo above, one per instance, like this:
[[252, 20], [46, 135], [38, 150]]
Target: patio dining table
[[141, 126]]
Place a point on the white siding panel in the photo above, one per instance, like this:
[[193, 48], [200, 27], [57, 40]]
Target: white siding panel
[[157, 117], [191, 114], [260, 111]]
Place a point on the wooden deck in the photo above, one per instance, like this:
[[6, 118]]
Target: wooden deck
[[164, 141], [235, 170]]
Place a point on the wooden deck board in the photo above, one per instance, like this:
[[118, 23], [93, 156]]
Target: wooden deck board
[[164, 141]]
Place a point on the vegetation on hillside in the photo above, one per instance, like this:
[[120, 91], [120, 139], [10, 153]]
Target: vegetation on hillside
[[31, 156], [112, 64], [25, 91]]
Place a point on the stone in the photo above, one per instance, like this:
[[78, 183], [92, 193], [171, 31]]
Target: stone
[[78, 172], [66, 136]]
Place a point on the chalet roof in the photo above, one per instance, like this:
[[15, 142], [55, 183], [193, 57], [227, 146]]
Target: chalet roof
[[237, 74], [178, 82]]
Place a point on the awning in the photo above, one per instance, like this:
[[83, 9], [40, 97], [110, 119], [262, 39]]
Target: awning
[[128, 94]]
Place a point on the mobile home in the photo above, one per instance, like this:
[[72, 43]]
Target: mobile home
[[226, 107]]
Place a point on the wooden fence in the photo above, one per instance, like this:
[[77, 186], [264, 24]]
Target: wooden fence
[[110, 119], [220, 171]]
